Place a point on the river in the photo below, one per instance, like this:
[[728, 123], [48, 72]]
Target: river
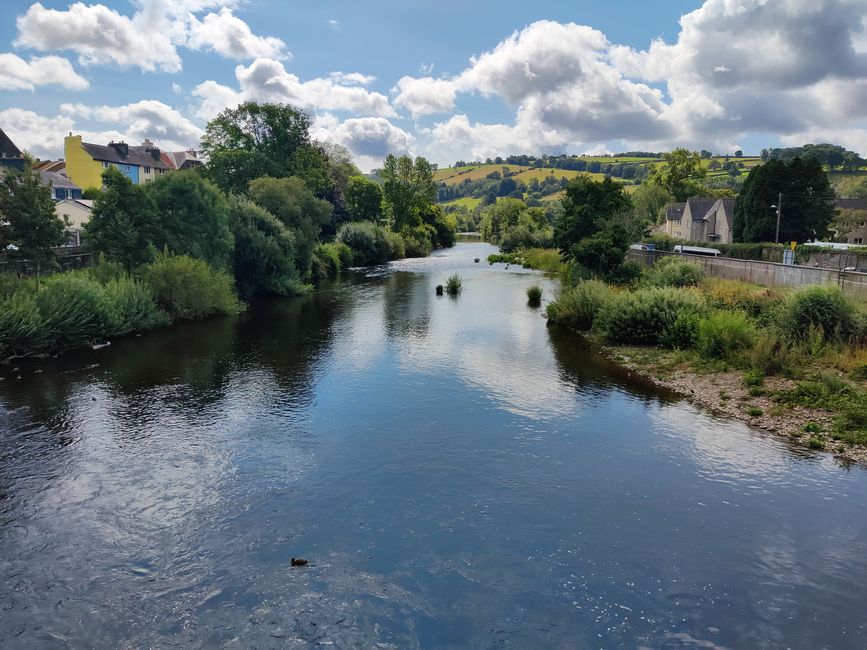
[[457, 473]]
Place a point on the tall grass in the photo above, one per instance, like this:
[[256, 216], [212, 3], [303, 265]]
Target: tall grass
[[577, 306], [534, 295], [454, 285]]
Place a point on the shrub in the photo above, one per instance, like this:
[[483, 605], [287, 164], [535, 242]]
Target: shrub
[[21, 326], [626, 273], [811, 427], [188, 288], [11, 283], [754, 412], [578, 306], [754, 377], [757, 302], [673, 272], [453, 285], [642, 316], [724, 335], [419, 240], [542, 259], [133, 306], [816, 443], [772, 355], [330, 259], [682, 333], [818, 307], [534, 295], [75, 310], [371, 244], [104, 271]]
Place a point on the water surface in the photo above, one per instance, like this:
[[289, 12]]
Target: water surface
[[458, 474]]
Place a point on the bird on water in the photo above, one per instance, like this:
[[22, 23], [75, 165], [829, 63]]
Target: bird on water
[[297, 561]]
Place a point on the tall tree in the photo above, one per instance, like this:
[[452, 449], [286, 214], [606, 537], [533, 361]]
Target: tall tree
[[587, 202], [650, 201], [363, 199], [28, 219], [681, 175], [408, 188], [807, 202]]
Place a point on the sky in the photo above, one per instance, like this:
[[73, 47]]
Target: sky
[[446, 79]]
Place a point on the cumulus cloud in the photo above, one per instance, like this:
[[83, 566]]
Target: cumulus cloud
[[352, 78], [425, 95], [148, 39], [369, 139], [231, 37], [268, 80], [42, 135], [18, 74]]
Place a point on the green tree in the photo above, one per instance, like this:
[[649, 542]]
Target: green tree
[[264, 251], [363, 199], [292, 202], [586, 204], [191, 218], [807, 207], [650, 201], [408, 188], [122, 224], [27, 218], [681, 175]]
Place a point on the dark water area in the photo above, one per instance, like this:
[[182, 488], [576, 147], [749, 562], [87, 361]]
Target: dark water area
[[458, 473]]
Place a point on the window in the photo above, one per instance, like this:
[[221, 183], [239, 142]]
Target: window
[[858, 240], [147, 170], [105, 164], [861, 224]]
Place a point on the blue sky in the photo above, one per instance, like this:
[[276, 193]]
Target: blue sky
[[444, 79]]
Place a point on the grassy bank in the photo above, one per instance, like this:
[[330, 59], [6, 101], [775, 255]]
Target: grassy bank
[[788, 361], [540, 259]]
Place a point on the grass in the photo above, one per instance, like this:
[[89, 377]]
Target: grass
[[466, 202], [534, 295], [538, 259], [754, 412], [454, 285]]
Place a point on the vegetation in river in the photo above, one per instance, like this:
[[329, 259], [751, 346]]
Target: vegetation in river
[[454, 285], [534, 295]]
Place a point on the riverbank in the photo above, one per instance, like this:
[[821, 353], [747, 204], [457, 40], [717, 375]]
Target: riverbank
[[724, 393]]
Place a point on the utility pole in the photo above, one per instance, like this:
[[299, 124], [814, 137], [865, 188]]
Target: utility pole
[[779, 211]]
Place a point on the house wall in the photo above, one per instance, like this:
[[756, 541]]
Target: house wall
[[81, 169], [78, 214]]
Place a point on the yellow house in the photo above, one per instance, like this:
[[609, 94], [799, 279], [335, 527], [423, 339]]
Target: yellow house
[[85, 162]]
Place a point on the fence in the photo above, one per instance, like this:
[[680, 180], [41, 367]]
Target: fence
[[769, 274], [68, 258]]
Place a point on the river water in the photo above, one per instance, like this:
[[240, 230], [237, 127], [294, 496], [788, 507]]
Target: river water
[[457, 473]]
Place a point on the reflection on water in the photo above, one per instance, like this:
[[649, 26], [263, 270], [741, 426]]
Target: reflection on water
[[458, 473]]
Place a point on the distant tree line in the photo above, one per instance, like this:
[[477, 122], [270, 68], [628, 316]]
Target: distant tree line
[[831, 156]]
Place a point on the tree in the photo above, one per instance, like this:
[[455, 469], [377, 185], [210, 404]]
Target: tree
[[714, 164], [122, 224], [264, 251], [705, 154], [292, 202], [408, 187], [363, 199], [739, 153], [650, 201], [807, 207], [27, 218], [255, 140], [681, 175], [191, 218], [585, 204]]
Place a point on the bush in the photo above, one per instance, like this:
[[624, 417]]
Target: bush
[[453, 285], [189, 288], [542, 259], [133, 306], [674, 272], [419, 240], [75, 309], [818, 307], [682, 333], [578, 306], [642, 316], [21, 326], [371, 244], [724, 335], [754, 412], [627, 273], [534, 295], [104, 271], [754, 378], [11, 283], [330, 259]]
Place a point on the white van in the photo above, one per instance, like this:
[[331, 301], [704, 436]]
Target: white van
[[696, 250]]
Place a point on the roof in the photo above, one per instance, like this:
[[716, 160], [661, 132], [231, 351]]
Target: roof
[[7, 147], [50, 165], [674, 211], [851, 204], [56, 179], [177, 159], [136, 156], [700, 206], [87, 204]]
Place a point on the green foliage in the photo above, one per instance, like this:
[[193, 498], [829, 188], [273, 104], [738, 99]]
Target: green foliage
[[754, 377], [191, 218], [75, 310], [21, 326], [682, 333], [371, 244], [587, 203], [600, 253], [188, 288], [650, 201], [811, 427], [807, 208], [815, 443], [264, 254], [754, 412], [27, 218], [724, 335], [133, 307], [577, 307], [534, 295], [671, 271], [626, 273], [418, 240], [11, 283], [330, 259], [408, 190], [681, 175], [105, 270], [453, 284], [363, 199], [642, 316], [817, 307], [123, 223]]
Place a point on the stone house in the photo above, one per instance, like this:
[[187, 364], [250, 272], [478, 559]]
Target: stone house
[[701, 219]]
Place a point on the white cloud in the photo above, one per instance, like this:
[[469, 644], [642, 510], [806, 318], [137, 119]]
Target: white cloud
[[267, 80], [425, 95], [369, 139], [231, 37], [43, 136], [351, 78], [333, 24], [18, 74], [176, 88]]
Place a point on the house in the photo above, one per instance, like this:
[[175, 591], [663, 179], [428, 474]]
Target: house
[[701, 219], [77, 212], [182, 159], [61, 187], [85, 162], [49, 165], [851, 224], [10, 155]]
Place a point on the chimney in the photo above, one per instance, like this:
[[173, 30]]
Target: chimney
[[122, 148], [147, 143], [155, 152]]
